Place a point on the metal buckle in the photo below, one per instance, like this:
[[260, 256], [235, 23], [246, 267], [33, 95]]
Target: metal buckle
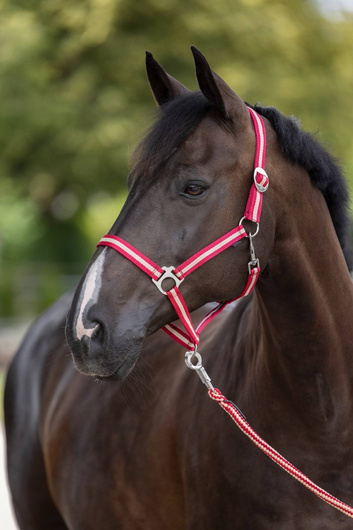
[[198, 368], [189, 355], [254, 262], [259, 187], [168, 273]]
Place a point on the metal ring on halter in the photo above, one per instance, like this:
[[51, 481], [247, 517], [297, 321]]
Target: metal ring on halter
[[257, 227], [190, 355]]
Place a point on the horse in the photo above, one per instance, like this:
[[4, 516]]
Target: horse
[[125, 436]]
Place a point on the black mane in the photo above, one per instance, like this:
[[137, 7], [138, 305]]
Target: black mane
[[300, 147], [180, 117], [175, 122]]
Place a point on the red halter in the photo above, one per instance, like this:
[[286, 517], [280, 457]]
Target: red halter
[[190, 337]]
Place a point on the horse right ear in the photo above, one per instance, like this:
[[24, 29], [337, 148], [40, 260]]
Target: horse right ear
[[216, 91], [164, 87]]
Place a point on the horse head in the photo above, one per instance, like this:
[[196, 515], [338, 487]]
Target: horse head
[[188, 187]]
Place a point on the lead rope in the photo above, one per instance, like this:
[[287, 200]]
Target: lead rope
[[190, 337], [246, 428]]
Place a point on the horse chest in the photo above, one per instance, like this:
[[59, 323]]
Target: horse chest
[[143, 476]]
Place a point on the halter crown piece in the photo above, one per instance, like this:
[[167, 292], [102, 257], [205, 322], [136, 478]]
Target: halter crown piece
[[190, 337]]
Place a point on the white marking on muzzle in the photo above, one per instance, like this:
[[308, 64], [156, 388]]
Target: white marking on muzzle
[[89, 295]]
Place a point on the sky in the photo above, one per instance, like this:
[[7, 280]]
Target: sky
[[335, 6]]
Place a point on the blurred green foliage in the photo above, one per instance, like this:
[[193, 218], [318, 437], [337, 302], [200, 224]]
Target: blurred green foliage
[[74, 102]]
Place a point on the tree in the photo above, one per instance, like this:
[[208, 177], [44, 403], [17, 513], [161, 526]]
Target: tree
[[75, 98]]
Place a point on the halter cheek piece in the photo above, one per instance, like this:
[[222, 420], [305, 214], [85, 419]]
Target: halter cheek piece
[[190, 337]]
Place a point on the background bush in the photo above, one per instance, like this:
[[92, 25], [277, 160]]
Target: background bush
[[74, 102]]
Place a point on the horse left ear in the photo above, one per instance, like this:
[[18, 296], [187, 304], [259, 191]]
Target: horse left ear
[[216, 91], [164, 86]]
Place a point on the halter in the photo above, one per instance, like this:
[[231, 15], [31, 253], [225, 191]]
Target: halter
[[190, 337]]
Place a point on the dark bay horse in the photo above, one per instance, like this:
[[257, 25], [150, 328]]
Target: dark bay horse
[[149, 450]]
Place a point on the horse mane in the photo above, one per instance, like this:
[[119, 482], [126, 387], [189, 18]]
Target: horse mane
[[175, 122], [302, 148], [177, 119]]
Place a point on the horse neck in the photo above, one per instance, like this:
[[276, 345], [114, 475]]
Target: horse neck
[[304, 309]]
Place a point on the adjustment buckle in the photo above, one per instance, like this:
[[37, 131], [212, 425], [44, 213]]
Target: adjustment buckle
[[168, 273], [261, 187]]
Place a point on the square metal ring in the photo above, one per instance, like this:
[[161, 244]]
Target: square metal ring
[[168, 273]]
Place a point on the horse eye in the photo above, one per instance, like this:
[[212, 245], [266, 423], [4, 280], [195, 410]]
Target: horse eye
[[194, 190]]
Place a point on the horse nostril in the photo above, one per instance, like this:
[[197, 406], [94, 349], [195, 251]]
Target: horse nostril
[[85, 343], [98, 333], [92, 342], [94, 334]]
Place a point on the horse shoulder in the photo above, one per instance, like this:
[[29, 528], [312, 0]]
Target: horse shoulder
[[23, 406]]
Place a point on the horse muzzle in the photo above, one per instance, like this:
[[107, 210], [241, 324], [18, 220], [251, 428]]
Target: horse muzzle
[[109, 354]]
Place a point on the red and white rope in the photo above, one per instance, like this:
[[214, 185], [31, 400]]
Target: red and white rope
[[246, 428]]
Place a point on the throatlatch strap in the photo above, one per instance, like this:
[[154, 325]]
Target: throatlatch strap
[[250, 284]]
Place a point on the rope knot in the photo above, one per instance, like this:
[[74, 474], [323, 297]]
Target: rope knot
[[216, 395]]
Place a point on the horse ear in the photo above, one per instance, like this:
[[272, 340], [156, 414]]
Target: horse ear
[[164, 86], [215, 90]]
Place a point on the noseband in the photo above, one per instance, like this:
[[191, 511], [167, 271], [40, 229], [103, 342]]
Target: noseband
[[190, 337]]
